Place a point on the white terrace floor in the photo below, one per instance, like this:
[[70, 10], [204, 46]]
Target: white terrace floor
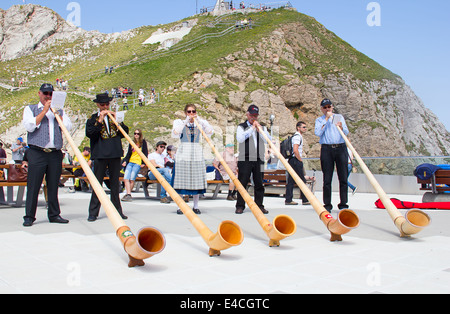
[[84, 257]]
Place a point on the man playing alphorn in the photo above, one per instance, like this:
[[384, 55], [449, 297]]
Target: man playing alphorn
[[106, 152]]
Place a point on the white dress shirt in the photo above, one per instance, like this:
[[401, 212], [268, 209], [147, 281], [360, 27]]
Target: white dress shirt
[[29, 122]]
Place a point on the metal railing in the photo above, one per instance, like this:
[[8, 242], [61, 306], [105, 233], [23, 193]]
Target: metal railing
[[402, 166]]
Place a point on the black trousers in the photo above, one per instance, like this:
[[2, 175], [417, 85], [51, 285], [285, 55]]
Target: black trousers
[[331, 155], [40, 164], [246, 169], [297, 165], [100, 165]]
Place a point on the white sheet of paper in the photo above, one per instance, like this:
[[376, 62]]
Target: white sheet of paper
[[120, 116], [58, 100], [337, 118]]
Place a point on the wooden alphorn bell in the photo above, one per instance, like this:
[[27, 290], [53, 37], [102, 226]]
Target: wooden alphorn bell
[[229, 233], [283, 226], [413, 221], [148, 241], [347, 219]]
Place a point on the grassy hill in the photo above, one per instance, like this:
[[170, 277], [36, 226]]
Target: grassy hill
[[140, 69]]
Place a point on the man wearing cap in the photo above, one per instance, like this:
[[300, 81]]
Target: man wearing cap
[[333, 152], [157, 160], [106, 152], [17, 151], [44, 155], [251, 158]]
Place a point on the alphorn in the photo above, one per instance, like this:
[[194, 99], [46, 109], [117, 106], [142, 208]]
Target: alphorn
[[148, 241], [347, 219], [283, 226], [413, 221], [229, 233]]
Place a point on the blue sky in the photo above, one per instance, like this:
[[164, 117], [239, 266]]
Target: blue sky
[[412, 40]]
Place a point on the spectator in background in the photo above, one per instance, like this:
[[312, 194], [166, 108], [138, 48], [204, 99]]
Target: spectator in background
[[169, 159], [296, 163], [2, 154], [157, 160], [79, 172], [350, 169], [231, 160], [18, 150], [125, 103], [133, 163]]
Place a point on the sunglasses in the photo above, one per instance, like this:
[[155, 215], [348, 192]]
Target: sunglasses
[[48, 93], [191, 111], [326, 107], [137, 133], [161, 146]]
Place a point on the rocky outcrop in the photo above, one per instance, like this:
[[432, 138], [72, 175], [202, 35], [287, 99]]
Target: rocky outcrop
[[384, 116], [26, 28]]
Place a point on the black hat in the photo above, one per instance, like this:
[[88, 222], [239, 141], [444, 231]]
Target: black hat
[[102, 98], [161, 143], [253, 109], [47, 88], [326, 102]]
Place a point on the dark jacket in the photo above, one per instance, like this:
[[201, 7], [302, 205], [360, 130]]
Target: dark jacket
[[104, 144]]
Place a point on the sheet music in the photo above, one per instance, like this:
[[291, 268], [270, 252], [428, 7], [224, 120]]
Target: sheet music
[[120, 116], [58, 100], [337, 118]]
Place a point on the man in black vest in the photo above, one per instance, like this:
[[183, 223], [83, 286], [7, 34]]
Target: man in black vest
[[44, 155], [106, 152], [251, 158]]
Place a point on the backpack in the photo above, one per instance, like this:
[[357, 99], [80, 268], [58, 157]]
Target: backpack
[[286, 148], [425, 171]]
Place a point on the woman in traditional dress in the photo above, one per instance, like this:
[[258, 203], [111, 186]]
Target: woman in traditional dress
[[189, 173]]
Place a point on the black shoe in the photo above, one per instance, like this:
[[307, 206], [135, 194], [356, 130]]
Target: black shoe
[[92, 218], [197, 211], [59, 220], [179, 212], [27, 223], [239, 211], [264, 211], [124, 217]]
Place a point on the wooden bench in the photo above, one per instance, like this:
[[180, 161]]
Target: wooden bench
[[10, 193], [437, 186], [438, 183], [213, 185], [275, 182]]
